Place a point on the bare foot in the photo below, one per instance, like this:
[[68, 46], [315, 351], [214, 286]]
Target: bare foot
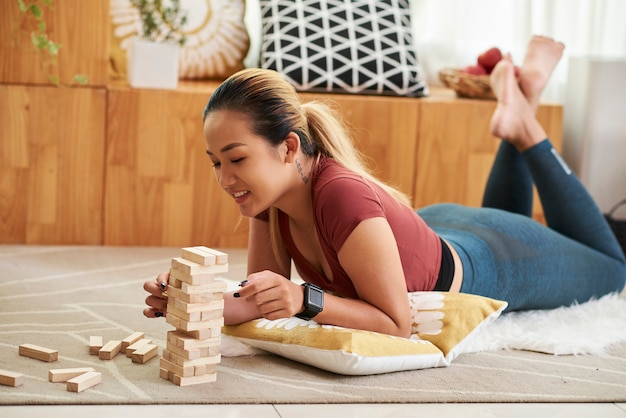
[[514, 118], [542, 56]]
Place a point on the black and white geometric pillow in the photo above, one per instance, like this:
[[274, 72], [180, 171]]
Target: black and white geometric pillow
[[345, 46]]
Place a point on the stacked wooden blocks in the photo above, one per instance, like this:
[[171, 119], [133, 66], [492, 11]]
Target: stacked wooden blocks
[[195, 308]]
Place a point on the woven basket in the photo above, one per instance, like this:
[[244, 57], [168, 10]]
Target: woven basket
[[467, 85], [618, 225]]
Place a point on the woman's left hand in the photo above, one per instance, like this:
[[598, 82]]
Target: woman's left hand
[[274, 296]]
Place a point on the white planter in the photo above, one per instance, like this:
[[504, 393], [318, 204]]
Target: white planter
[[152, 65]]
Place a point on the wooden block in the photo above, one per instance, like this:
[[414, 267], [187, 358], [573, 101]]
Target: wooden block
[[145, 353], [84, 381], [195, 279], [203, 334], [132, 338], [95, 344], [63, 375], [184, 325], [39, 353], [187, 342], [9, 378], [175, 368], [191, 268], [187, 316], [221, 257], [189, 354], [204, 256], [218, 286], [194, 380], [195, 297], [135, 346], [218, 303], [199, 255], [184, 362], [110, 350]]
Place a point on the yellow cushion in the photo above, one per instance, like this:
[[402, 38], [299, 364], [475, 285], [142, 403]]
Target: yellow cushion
[[442, 322]]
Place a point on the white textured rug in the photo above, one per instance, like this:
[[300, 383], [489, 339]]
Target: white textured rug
[[587, 328]]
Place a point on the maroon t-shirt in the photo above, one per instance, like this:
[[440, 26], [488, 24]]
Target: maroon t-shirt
[[341, 200]]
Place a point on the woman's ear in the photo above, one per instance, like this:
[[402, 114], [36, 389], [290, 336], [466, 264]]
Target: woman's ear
[[292, 146]]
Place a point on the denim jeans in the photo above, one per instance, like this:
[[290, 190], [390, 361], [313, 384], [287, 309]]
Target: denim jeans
[[506, 255]]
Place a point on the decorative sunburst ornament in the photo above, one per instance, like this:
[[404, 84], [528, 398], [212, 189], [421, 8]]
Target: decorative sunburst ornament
[[216, 37]]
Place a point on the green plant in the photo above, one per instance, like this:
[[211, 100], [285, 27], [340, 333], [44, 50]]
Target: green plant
[[32, 20], [161, 23]]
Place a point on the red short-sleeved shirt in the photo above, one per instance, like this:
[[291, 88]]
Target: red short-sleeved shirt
[[341, 200]]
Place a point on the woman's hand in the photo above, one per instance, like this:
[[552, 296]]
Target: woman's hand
[[156, 301], [273, 295]]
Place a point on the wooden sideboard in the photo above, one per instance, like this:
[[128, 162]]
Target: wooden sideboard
[[122, 166], [105, 164]]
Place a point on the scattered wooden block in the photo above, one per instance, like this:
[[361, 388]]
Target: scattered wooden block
[[84, 381], [39, 353], [95, 344], [132, 338], [136, 346], [63, 375], [145, 353], [9, 378], [110, 350]]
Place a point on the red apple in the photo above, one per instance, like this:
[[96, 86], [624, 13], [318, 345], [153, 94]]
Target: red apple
[[489, 58], [474, 70]]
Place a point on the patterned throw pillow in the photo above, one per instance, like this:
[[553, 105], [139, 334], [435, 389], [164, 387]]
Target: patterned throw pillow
[[443, 325], [217, 39], [342, 46]]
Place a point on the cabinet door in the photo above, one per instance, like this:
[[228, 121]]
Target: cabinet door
[[160, 185], [51, 164], [384, 129], [456, 149]]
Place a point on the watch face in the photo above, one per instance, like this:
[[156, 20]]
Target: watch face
[[316, 297]]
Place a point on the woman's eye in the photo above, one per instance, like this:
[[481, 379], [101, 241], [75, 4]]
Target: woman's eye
[[215, 165], [236, 160]]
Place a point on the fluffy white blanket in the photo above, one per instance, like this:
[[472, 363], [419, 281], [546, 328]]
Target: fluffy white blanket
[[587, 328]]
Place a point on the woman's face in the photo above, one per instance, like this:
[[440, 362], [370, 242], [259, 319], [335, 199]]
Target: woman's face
[[246, 166]]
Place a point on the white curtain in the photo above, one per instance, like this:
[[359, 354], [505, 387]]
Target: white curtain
[[451, 33]]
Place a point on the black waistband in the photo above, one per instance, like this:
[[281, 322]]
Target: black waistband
[[446, 271]]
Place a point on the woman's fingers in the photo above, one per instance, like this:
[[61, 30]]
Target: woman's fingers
[[157, 301]]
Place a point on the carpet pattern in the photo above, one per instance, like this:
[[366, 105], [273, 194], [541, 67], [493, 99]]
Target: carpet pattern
[[57, 297]]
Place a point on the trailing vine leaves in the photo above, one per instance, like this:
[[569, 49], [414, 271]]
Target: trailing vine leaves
[[32, 20]]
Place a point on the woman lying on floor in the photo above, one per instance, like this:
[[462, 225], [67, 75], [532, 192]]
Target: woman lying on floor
[[356, 242]]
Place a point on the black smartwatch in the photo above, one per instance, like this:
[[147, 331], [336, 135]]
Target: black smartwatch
[[313, 301]]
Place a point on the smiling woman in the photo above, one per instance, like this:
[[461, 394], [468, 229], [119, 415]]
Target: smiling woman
[[357, 244]]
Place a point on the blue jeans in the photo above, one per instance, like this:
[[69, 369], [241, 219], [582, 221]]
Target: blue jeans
[[506, 255]]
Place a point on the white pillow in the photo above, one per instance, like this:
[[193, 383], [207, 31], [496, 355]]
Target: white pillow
[[443, 324]]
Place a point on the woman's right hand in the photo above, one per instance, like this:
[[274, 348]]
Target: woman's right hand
[[157, 302]]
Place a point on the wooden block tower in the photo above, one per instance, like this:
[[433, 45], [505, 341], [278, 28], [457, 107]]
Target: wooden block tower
[[195, 308]]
